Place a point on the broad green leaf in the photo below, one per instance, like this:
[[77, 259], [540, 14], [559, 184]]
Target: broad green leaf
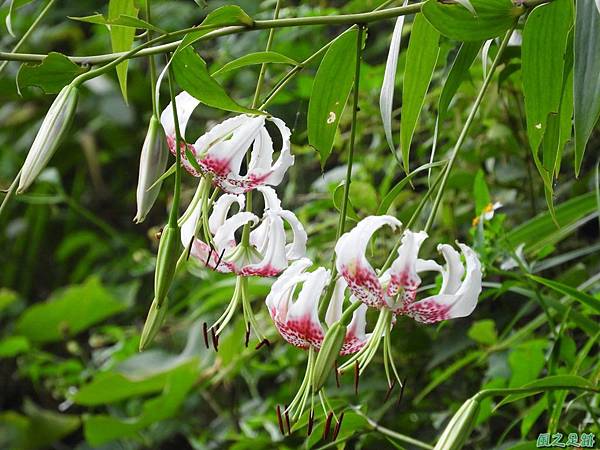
[[543, 56], [572, 292], [458, 73], [331, 89], [541, 230], [526, 361], [68, 313], [54, 73], [362, 196], [102, 428], [494, 17], [13, 345], [221, 17], [554, 381], [421, 57], [397, 189], [586, 75], [256, 58], [192, 76], [483, 332], [121, 37], [7, 298]]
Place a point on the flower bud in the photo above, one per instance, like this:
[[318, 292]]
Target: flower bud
[[328, 353], [459, 428], [154, 320], [166, 262], [153, 162], [54, 127]]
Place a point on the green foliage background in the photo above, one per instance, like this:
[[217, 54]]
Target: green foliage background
[[76, 273]]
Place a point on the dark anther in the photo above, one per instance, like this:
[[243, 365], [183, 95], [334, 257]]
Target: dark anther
[[210, 252], [287, 421], [205, 332], [215, 339], [247, 335], [220, 258], [189, 249], [336, 431], [262, 344], [337, 374], [279, 420], [356, 377], [311, 422], [390, 389], [327, 426], [401, 392], [158, 234]]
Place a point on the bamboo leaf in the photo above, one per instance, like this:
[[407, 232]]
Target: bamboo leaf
[[192, 76], [421, 57], [255, 58], [572, 292], [330, 92], [586, 76], [493, 18], [121, 36]]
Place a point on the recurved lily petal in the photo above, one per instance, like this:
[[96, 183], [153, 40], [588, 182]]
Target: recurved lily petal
[[274, 257], [353, 265], [449, 306], [454, 270], [221, 210]]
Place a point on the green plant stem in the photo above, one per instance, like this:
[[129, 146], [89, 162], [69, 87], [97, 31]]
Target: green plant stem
[[30, 30], [152, 66], [465, 130], [143, 50], [9, 195], [177, 189], [344, 210]]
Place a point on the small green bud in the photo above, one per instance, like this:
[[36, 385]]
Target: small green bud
[[330, 349], [154, 320], [153, 162], [460, 426], [53, 129], [166, 261]]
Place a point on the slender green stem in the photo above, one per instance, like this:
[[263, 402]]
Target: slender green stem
[[263, 67], [465, 130], [344, 210], [9, 194], [177, 190], [152, 66], [30, 30]]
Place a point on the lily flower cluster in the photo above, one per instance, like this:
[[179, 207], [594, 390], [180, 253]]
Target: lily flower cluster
[[323, 311]]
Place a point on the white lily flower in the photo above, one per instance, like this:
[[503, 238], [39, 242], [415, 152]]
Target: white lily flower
[[396, 288], [297, 320], [221, 151], [267, 253]]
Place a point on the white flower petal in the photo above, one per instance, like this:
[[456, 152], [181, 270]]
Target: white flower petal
[[272, 202], [307, 305], [297, 249], [221, 210], [403, 272], [278, 300], [185, 107], [225, 235], [386, 98], [334, 310], [453, 270]]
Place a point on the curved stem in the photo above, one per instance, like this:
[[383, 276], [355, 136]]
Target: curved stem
[[177, 190], [465, 130], [152, 66], [33, 26]]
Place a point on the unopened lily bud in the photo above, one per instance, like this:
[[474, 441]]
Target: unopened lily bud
[[53, 129], [153, 162], [166, 261], [328, 353], [154, 320], [460, 426]]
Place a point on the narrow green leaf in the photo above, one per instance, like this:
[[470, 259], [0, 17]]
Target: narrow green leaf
[[493, 18], [572, 292], [123, 20], [543, 55], [554, 381], [98, 19], [458, 73], [480, 192], [121, 36], [54, 73], [586, 75], [330, 92], [192, 76], [421, 57], [224, 16], [255, 58]]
